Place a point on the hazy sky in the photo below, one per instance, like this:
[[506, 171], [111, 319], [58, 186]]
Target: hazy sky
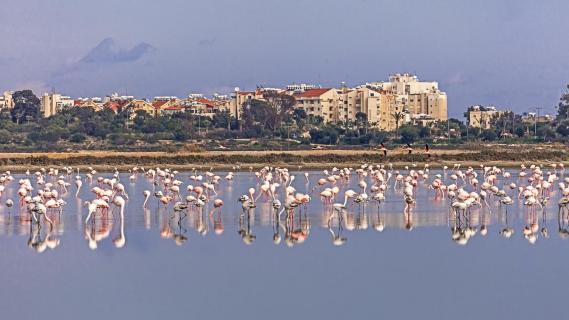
[[510, 53]]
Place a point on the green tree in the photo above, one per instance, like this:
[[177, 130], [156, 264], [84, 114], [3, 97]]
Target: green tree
[[397, 116], [26, 106], [222, 120], [299, 115], [563, 128], [409, 134], [424, 132], [77, 138], [520, 132], [563, 107], [361, 121], [488, 135], [280, 104]]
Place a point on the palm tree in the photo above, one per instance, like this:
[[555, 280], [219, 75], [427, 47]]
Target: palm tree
[[397, 116]]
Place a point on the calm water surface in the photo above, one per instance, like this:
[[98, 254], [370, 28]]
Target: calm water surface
[[54, 273]]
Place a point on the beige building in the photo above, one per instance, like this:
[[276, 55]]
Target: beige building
[[206, 107], [532, 117], [481, 117], [6, 100], [241, 97], [404, 94], [416, 99], [53, 103], [323, 102], [138, 104]]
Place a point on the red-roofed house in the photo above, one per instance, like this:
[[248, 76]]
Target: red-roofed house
[[172, 109], [160, 105], [88, 103], [206, 107], [116, 105], [143, 105]]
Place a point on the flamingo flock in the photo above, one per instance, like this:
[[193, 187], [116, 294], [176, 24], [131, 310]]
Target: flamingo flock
[[474, 197]]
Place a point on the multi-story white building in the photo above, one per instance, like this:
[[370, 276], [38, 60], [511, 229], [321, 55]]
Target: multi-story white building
[[301, 87]]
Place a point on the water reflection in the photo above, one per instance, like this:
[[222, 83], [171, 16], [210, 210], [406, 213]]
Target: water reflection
[[503, 203]]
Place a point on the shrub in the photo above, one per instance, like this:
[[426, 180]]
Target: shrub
[[77, 138]]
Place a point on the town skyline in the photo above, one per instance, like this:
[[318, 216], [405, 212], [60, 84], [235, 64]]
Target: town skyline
[[504, 53]]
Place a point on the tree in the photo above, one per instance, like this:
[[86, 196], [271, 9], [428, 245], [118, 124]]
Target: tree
[[280, 105], [77, 138], [26, 106], [299, 115], [222, 120], [409, 135], [563, 128], [397, 116], [488, 135], [545, 131], [424, 132], [315, 120], [361, 121], [520, 132], [563, 107], [5, 136]]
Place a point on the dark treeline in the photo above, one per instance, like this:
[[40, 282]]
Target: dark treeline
[[273, 120]]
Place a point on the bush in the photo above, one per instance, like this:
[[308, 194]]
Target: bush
[[488, 135], [5, 136], [150, 138], [520, 132], [121, 139], [181, 135], [77, 138], [409, 135]]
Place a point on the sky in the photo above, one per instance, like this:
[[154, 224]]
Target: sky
[[510, 53]]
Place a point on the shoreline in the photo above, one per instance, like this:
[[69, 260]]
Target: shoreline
[[502, 156]]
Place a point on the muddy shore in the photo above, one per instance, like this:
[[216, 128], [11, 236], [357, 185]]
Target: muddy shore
[[307, 159]]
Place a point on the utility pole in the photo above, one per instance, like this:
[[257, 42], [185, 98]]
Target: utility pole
[[513, 123], [199, 124], [535, 122]]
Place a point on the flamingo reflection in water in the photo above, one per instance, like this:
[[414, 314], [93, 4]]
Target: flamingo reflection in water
[[563, 217], [337, 238], [37, 243], [180, 233], [245, 230], [100, 228], [469, 193], [216, 219]]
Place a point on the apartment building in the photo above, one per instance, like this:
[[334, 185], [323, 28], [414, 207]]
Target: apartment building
[[415, 99], [53, 103], [323, 102], [6, 100]]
